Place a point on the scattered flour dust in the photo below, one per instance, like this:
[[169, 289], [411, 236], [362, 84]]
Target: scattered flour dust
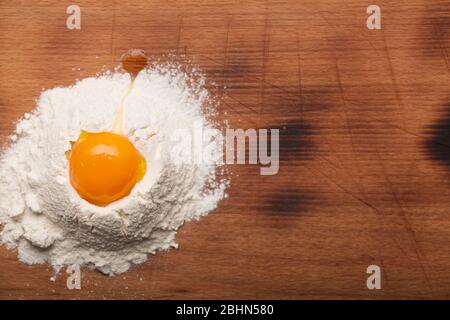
[[43, 216]]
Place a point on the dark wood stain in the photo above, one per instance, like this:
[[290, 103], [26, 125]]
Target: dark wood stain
[[438, 145]]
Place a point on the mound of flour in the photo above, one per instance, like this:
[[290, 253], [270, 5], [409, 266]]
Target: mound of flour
[[48, 222]]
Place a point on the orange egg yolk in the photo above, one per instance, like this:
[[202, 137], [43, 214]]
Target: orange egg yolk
[[104, 167]]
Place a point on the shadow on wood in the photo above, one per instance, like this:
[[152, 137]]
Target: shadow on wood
[[438, 145]]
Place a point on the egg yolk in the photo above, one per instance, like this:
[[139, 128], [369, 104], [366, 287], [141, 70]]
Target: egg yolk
[[104, 167]]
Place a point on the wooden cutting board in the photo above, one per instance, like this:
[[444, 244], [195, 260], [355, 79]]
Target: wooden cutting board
[[364, 119]]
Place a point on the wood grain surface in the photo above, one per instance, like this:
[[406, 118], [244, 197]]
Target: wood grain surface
[[364, 118]]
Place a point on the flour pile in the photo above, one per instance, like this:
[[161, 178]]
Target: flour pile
[[46, 219]]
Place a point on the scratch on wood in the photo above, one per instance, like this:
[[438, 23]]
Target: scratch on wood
[[266, 44], [347, 123], [441, 47], [408, 132], [113, 27], [244, 105], [408, 227], [406, 222], [225, 59], [356, 197], [333, 26], [361, 200], [179, 31], [299, 71], [392, 73], [288, 94]]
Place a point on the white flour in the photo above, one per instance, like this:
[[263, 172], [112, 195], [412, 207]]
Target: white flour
[[45, 218]]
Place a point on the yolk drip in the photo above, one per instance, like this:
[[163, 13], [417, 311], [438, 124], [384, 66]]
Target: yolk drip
[[104, 167]]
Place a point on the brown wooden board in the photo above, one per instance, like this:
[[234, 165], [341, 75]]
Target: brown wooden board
[[364, 118]]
